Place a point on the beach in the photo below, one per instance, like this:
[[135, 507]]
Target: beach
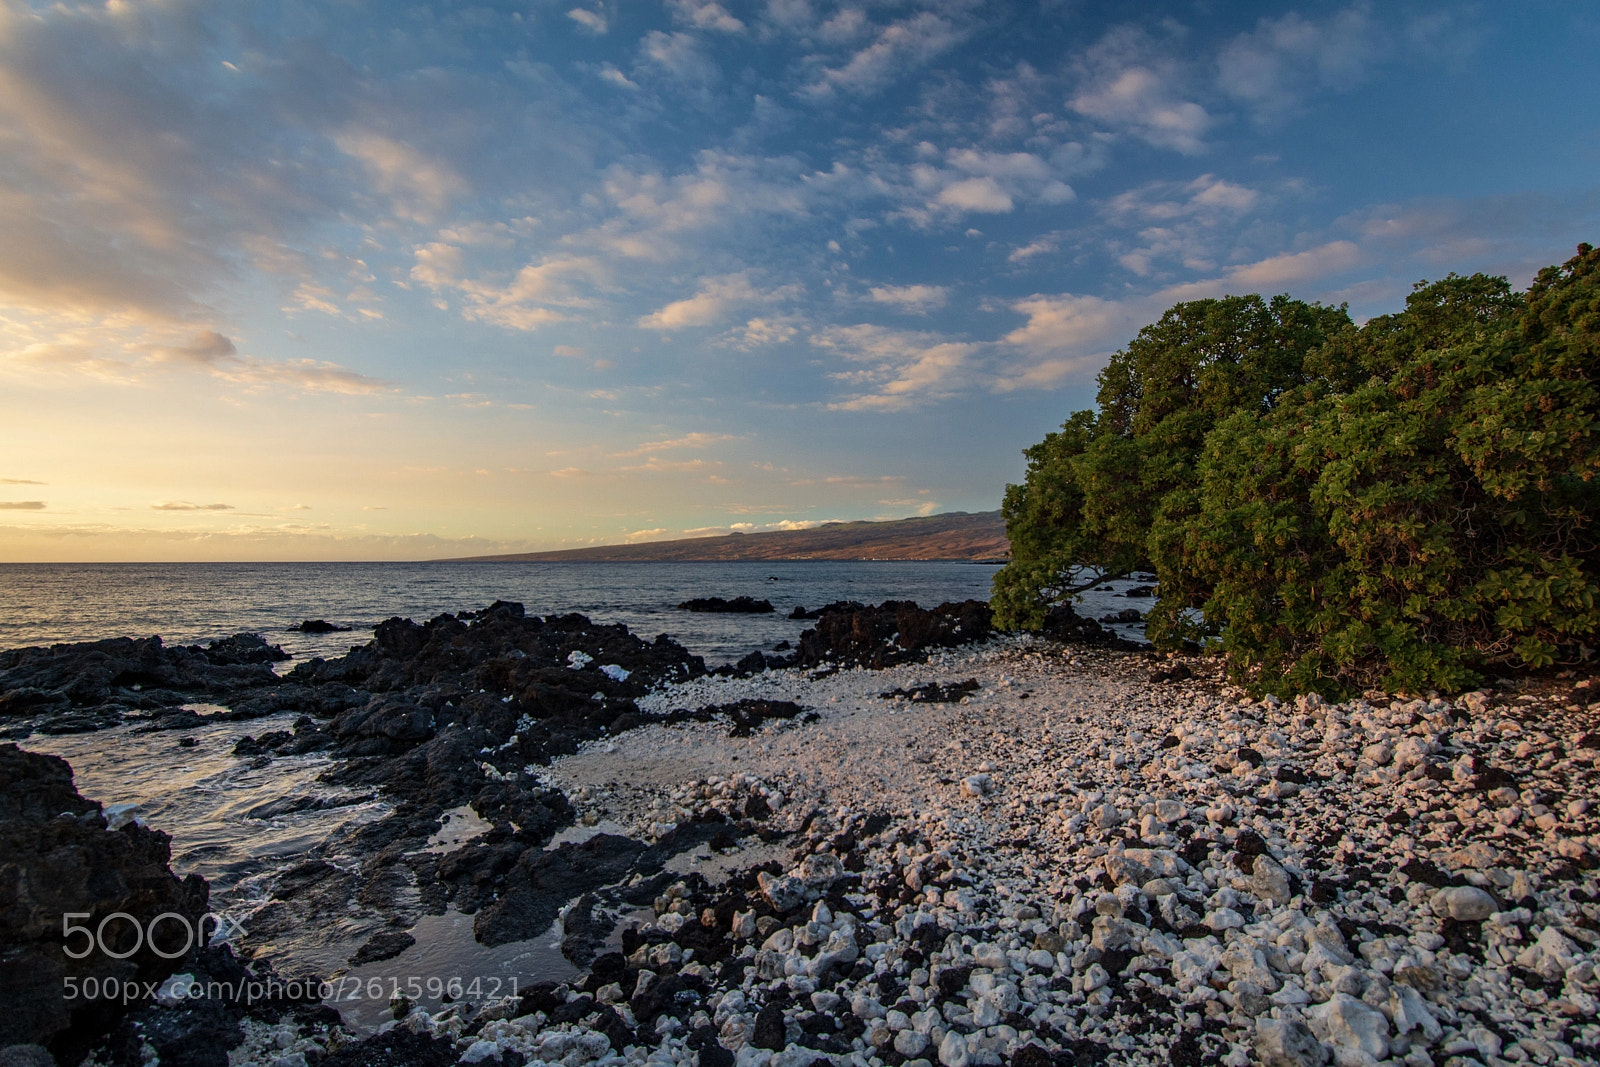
[[1009, 851]]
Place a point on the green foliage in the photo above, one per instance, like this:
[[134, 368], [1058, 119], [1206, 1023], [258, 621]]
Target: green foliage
[[1407, 504]]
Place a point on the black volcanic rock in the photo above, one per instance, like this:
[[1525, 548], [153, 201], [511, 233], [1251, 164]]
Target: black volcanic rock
[[58, 858], [74, 687], [896, 631], [739, 605], [318, 626]]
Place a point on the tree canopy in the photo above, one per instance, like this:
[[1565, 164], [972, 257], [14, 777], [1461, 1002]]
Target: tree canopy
[[1407, 504]]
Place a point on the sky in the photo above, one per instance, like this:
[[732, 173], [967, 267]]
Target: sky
[[406, 281]]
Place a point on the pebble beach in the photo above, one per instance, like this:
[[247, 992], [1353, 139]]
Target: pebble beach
[[1039, 854]]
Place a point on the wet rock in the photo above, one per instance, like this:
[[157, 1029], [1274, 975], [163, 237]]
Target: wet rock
[[57, 858], [739, 605], [318, 626], [383, 946]]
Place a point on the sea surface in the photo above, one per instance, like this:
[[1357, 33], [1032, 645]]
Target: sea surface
[[43, 603]]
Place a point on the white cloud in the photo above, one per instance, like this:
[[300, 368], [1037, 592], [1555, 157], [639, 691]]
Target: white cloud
[[892, 370], [917, 299], [419, 186], [982, 195], [1127, 85], [1273, 66], [716, 296], [704, 15], [680, 55], [899, 47], [593, 21], [537, 295], [760, 332]]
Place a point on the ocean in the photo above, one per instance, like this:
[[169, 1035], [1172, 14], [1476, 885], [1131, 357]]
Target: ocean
[[43, 603]]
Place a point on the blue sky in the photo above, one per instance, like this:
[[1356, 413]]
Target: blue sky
[[399, 281]]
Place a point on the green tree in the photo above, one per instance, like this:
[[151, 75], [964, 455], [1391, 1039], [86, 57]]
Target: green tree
[[1408, 504], [1096, 490]]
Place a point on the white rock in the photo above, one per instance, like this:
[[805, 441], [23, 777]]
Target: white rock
[[1464, 903], [953, 1051], [989, 955], [1348, 1023], [479, 1051], [977, 785], [1411, 1013], [866, 1007], [615, 673], [1287, 1043], [910, 1043]]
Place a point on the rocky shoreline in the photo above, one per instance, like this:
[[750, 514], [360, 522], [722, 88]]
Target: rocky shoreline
[[900, 847]]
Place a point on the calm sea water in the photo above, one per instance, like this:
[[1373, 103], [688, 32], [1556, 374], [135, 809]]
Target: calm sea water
[[185, 603]]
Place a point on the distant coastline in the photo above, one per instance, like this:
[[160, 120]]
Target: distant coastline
[[958, 536]]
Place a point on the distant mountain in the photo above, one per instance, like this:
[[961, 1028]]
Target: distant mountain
[[955, 536]]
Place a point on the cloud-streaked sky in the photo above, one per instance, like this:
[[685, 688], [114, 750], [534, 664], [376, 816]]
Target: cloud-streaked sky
[[311, 280]]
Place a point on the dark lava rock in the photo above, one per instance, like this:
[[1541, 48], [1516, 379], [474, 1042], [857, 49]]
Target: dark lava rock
[[934, 693], [1066, 625], [838, 607], [739, 605], [1125, 615], [318, 626], [768, 1031], [57, 858], [1030, 1055], [1177, 673], [383, 946], [1141, 591], [397, 1047], [896, 631], [529, 896], [1419, 870], [90, 685]]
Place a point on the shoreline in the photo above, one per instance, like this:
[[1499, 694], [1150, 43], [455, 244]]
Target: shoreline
[[1114, 868]]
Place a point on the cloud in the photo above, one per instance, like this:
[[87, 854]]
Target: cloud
[[1037, 247], [975, 194], [180, 505], [1126, 85], [916, 299], [569, 351], [679, 55], [20, 481], [760, 332], [716, 296], [1081, 323], [21, 505], [982, 182], [593, 21], [688, 440], [420, 187], [1068, 335], [537, 295], [1272, 67], [704, 15], [647, 535], [899, 48], [892, 370]]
